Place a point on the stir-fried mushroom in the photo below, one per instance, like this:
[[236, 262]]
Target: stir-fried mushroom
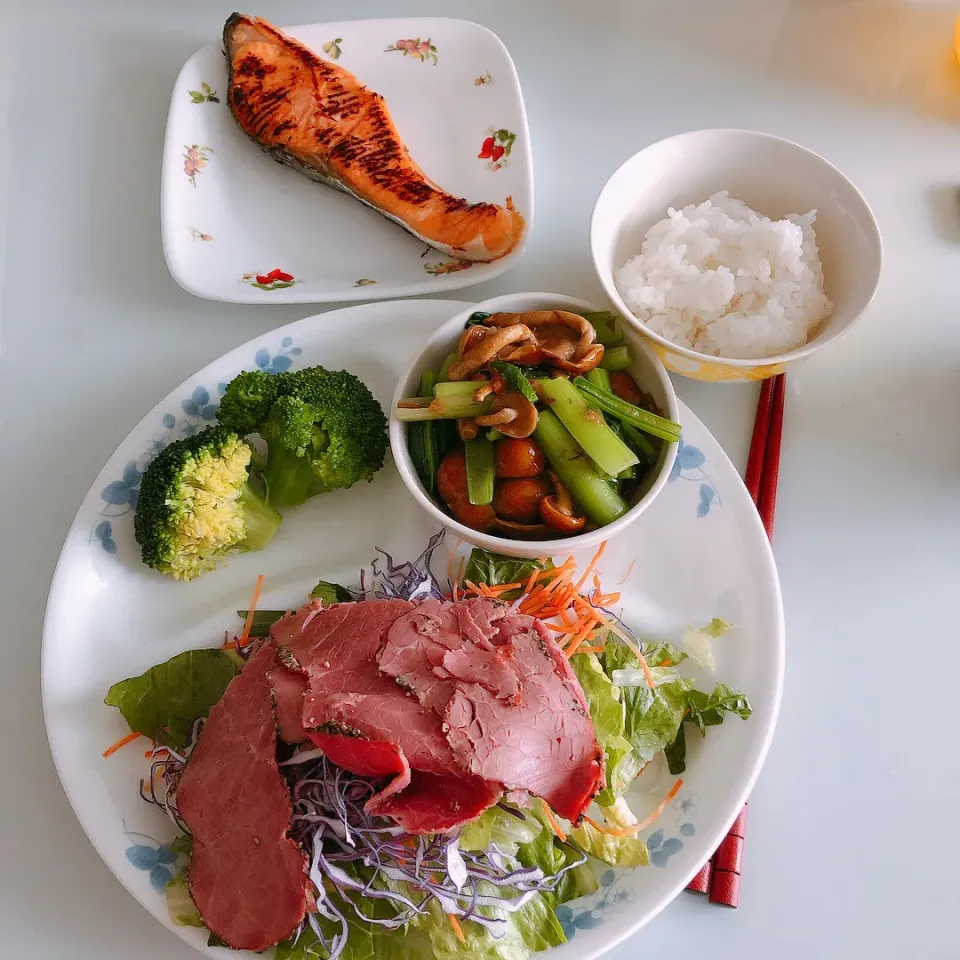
[[524, 421], [535, 319], [521, 531], [481, 353], [584, 365], [496, 418], [559, 511]]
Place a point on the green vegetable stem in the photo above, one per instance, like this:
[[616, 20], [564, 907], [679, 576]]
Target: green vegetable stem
[[628, 413], [600, 378], [598, 498], [479, 455], [587, 426], [415, 409], [429, 440], [616, 358], [607, 326]]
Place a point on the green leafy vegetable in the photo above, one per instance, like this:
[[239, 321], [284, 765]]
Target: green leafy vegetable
[[331, 593], [608, 715], [617, 851], [653, 718], [495, 570], [532, 928], [164, 702], [182, 844], [515, 377], [505, 830], [616, 358], [478, 316], [263, 620], [550, 854], [183, 910]]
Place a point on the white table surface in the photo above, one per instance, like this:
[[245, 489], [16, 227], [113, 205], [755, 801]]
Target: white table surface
[[853, 840]]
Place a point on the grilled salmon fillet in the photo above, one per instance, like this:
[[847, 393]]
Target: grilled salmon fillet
[[321, 120]]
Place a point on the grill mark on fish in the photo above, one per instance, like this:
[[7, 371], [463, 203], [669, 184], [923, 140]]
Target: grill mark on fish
[[318, 119]]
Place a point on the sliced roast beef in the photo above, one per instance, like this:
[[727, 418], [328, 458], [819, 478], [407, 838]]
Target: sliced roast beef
[[429, 649], [371, 725], [247, 877], [513, 710], [289, 688]]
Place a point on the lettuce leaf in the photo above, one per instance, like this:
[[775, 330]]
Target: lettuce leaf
[[653, 718], [617, 851], [609, 718], [183, 910], [164, 702], [497, 826], [532, 928], [550, 854]]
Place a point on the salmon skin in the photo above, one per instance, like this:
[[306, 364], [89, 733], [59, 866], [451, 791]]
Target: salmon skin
[[321, 120]]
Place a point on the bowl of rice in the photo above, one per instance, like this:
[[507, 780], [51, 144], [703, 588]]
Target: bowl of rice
[[734, 252]]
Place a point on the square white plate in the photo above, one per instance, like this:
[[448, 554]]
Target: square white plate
[[228, 210]]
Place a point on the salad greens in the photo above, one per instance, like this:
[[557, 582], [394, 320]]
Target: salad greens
[[165, 702], [503, 874]]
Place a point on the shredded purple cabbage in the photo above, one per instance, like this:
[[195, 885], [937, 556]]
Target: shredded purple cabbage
[[166, 767], [412, 580], [406, 871]]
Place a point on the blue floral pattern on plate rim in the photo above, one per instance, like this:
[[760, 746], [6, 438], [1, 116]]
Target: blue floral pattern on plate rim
[[196, 411], [588, 912], [690, 465]]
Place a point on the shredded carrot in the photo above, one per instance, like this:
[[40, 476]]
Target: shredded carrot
[[590, 566], [531, 580], [154, 752], [554, 824], [606, 599], [588, 628], [122, 742], [502, 588], [596, 582], [621, 582], [248, 623], [627, 831], [566, 618], [457, 929], [592, 649]]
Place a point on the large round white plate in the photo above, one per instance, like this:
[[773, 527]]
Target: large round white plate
[[698, 552]]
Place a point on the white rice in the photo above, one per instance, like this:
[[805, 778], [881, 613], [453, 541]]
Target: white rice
[[723, 280]]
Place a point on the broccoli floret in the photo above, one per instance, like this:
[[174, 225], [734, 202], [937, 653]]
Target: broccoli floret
[[196, 505], [323, 428], [247, 401]]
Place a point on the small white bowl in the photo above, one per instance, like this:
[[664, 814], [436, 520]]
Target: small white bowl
[[775, 177], [646, 370]]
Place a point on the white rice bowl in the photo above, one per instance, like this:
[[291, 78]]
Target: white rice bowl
[[723, 280]]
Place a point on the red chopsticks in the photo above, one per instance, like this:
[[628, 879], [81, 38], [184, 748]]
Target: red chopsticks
[[719, 877]]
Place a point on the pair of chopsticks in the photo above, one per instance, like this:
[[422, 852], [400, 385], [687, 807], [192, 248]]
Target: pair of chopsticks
[[719, 877]]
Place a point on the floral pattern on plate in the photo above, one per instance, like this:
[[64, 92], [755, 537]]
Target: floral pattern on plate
[[483, 79], [422, 50], [332, 48], [364, 282], [198, 410], [276, 279], [206, 94], [153, 857], [199, 234], [690, 465], [496, 148], [195, 158], [447, 266]]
